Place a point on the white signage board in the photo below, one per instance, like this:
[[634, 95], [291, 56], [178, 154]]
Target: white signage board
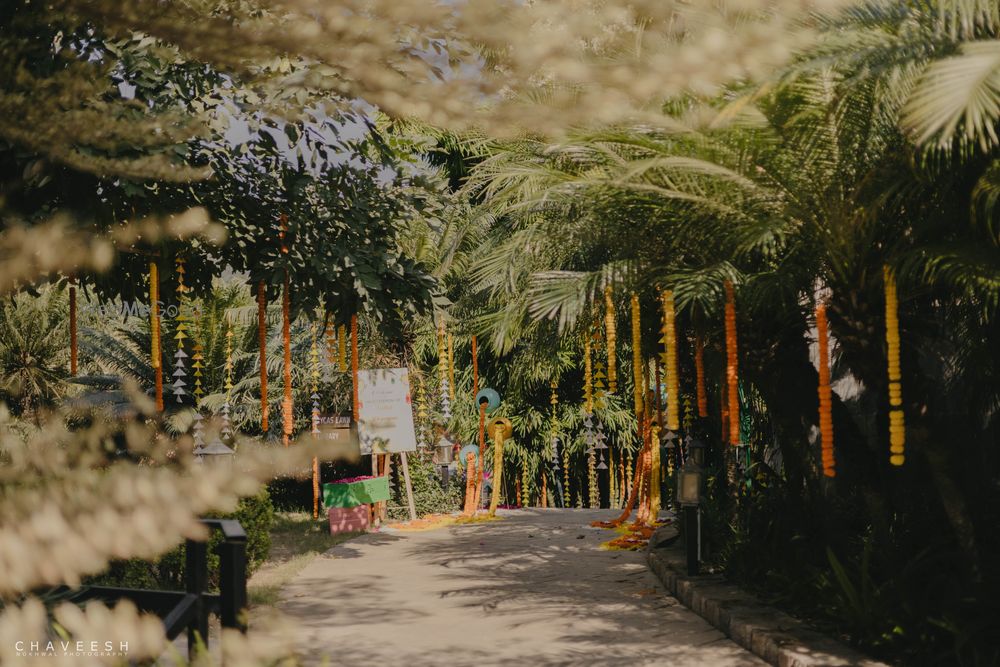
[[385, 414]]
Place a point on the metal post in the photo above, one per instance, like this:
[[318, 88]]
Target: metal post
[[691, 538], [233, 582], [196, 582]]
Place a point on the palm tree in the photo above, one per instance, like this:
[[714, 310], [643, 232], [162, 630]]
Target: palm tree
[[34, 350]]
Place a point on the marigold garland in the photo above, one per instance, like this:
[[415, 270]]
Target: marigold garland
[[262, 344], [670, 360], [610, 333], [342, 347], [897, 425], [654, 470], [497, 468], [470, 485], [637, 370], [699, 369], [825, 395], [732, 377], [286, 337]]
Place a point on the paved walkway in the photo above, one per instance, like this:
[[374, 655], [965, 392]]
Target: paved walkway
[[532, 589]]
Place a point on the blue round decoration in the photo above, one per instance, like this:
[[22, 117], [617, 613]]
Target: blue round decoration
[[490, 397]]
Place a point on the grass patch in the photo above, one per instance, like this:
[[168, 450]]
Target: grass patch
[[296, 538]]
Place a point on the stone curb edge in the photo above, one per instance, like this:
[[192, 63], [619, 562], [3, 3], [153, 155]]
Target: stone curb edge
[[770, 634]]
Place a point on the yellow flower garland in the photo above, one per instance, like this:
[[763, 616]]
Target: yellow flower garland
[[609, 331], [897, 426], [670, 361], [637, 370]]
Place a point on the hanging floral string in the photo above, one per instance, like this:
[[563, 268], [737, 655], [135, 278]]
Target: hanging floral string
[[525, 491], [314, 358], [451, 367], [443, 373], [342, 347], [197, 357], [545, 498], [897, 425], [198, 428], [497, 468], [732, 377], [262, 344], [180, 333], [287, 406], [72, 327], [699, 369], [670, 361], [330, 334], [612, 481], [354, 364], [470, 485], [610, 333], [636, 360], [825, 395], [155, 352], [227, 431], [588, 424]]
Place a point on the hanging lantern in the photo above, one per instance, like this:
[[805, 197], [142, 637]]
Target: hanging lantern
[[897, 425], [732, 378], [609, 332], [825, 395]]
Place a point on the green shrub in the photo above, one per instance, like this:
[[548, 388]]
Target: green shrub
[[428, 496], [255, 514]]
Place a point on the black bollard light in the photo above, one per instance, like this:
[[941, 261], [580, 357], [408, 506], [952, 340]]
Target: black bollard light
[[689, 497]]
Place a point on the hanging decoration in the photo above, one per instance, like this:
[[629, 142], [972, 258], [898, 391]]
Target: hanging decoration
[[197, 357], [732, 377], [590, 439], [286, 339], [825, 395], [330, 336], [155, 352], [342, 347], [699, 370], [227, 429], [262, 344], [314, 358], [897, 425], [600, 445], [612, 482], [443, 372], [198, 429], [501, 429], [451, 367], [670, 360], [354, 365], [180, 334], [524, 497], [609, 332], [421, 413], [637, 371]]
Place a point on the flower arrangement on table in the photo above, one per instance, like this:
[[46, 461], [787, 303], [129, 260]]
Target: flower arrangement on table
[[347, 501]]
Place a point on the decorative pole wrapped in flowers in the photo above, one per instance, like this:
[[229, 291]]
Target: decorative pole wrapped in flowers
[[897, 425], [342, 347], [732, 376], [825, 395], [286, 337], [670, 361], [699, 370], [314, 358]]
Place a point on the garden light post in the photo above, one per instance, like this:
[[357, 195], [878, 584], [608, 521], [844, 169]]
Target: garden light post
[[689, 497], [446, 454]]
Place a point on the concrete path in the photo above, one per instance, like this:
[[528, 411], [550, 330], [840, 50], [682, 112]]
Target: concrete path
[[532, 589]]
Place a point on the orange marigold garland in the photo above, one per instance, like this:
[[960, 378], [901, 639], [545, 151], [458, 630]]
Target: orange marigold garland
[[286, 337], [825, 395], [342, 347], [637, 370], [897, 425], [155, 352], [262, 344], [610, 333], [699, 369], [732, 377], [670, 361]]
